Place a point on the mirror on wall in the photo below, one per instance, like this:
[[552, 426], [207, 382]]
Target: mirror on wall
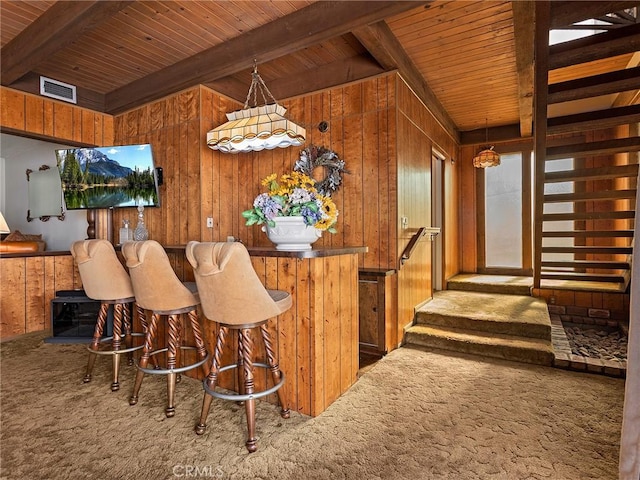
[[45, 194]]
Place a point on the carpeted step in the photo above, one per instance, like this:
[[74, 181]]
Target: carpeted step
[[522, 316], [508, 347], [504, 284]]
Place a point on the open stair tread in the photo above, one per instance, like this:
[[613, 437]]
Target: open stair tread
[[596, 277], [599, 264]]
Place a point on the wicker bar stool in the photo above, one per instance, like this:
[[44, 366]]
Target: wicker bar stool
[[233, 296], [158, 289], [105, 279]]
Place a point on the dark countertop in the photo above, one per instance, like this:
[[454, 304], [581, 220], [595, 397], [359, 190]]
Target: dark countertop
[[272, 252], [46, 253], [253, 251]]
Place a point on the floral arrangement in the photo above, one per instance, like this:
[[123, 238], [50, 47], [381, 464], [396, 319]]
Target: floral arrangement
[[293, 194]]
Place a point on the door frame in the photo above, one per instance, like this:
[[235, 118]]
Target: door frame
[[437, 218], [526, 217]]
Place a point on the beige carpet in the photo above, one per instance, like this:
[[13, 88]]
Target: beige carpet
[[414, 415]]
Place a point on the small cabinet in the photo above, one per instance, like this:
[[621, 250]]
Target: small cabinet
[[375, 310]]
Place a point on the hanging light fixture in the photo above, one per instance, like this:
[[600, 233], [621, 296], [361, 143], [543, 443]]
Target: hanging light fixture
[[256, 128], [486, 157]]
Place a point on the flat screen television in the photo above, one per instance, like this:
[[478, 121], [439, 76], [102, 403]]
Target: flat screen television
[[108, 177]]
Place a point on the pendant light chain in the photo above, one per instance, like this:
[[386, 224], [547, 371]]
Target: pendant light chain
[[257, 84]]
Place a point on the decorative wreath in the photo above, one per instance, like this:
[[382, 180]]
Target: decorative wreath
[[313, 157]]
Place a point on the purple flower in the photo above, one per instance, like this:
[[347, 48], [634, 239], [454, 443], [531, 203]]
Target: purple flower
[[269, 207]]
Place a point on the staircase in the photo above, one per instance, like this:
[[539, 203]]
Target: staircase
[[588, 161], [482, 322]]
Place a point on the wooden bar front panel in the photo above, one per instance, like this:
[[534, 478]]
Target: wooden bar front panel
[[28, 285], [316, 339]]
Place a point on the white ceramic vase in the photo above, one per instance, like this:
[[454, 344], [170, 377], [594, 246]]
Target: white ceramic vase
[[291, 234]]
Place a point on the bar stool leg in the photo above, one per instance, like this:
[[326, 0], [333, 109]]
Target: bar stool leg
[[212, 379], [127, 325], [173, 348], [249, 405], [201, 349], [142, 315], [95, 343], [144, 359], [272, 361], [116, 342], [240, 363]]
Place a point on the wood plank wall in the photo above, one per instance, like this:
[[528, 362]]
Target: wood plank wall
[[28, 286], [172, 127], [29, 283], [418, 133], [201, 183], [360, 118], [46, 119], [321, 328]]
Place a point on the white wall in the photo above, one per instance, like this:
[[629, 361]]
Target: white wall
[[19, 154]]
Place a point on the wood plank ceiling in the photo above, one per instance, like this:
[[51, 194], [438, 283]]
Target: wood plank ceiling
[[470, 61]]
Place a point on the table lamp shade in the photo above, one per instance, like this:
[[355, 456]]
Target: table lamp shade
[[4, 228]]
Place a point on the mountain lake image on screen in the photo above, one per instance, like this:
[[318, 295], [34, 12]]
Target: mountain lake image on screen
[[108, 177]]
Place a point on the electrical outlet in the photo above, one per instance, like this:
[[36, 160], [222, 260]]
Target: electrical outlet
[[404, 221], [209, 222]]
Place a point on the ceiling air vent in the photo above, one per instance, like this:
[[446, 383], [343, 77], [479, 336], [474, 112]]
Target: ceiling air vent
[[55, 89]]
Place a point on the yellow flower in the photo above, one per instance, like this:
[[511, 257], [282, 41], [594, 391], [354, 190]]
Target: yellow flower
[[329, 208], [283, 191], [267, 180], [279, 200], [324, 224]]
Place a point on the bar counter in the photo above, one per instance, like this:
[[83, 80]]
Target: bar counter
[[317, 338]]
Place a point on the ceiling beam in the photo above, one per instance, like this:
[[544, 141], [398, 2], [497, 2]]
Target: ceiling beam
[[383, 45], [312, 80], [609, 44], [311, 25], [524, 33], [489, 136], [564, 14], [56, 28]]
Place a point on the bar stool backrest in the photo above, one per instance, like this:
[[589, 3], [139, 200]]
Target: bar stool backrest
[[230, 290], [155, 284], [103, 276]]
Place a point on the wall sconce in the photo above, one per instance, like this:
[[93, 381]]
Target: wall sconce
[[45, 194]]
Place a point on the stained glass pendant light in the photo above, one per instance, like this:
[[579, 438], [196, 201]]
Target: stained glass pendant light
[[256, 128], [486, 157]]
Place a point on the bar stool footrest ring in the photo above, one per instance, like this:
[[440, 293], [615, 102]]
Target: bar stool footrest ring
[[116, 352], [237, 397], [164, 371]]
